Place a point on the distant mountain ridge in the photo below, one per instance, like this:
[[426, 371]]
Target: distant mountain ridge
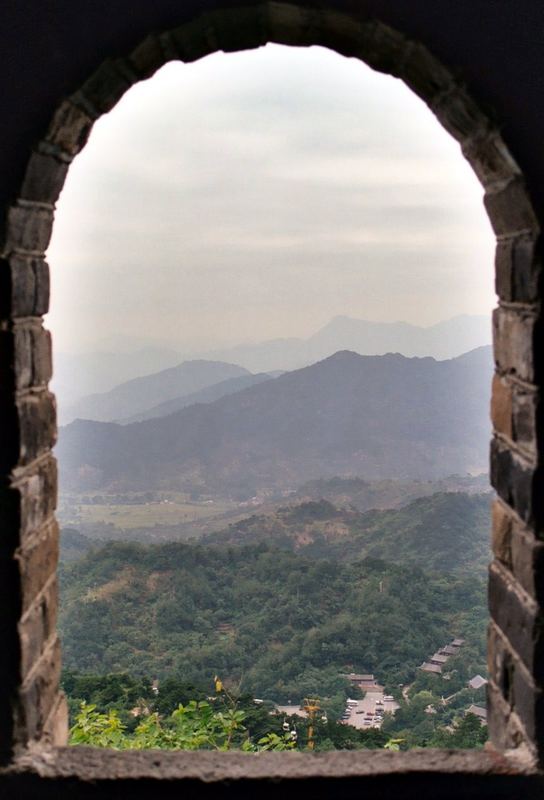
[[444, 340], [77, 376], [140, 394], [206, 395], [373, 416]]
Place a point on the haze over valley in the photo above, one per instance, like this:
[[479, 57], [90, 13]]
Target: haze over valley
[[269, 489]]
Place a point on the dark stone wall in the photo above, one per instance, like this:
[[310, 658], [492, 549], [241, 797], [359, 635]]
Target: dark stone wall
[[478, 66]]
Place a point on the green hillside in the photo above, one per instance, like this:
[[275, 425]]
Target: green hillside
[[282, 624], [447, 532]]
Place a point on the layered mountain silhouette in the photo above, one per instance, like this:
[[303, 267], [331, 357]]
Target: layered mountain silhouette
[[372, 416], [206, 395], [76, 377], [141, 394], [444, 340]]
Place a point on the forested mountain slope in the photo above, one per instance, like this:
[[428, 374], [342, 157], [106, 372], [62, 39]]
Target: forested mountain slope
[[445, 532], [281, 623]]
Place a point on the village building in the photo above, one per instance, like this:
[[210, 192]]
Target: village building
[[477, 682], [427, 667], [479, 712]]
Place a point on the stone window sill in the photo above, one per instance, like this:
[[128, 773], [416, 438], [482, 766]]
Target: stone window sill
[[85, 772]]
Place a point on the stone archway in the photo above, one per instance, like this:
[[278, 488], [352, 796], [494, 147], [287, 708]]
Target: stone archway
[[30, 704]]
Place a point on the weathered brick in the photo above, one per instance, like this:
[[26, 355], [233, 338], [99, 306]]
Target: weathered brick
[[148, 57], [289, 24], [341, 33], [528, 562], [37, 626], [501, 406], [518, 269], [241, 28], [525, 408], [460, 115], [69, 129], [515, 685], [24, 287], [29, 503], [384, 49], [519, 619], [505, 729], [192, 41], [39, 695], [37, 559], [510, 209], [104, 88], [55, 728], [36, 419], [29, 228], [44, 178], [514, 480], [515, 338], [490, 159], [28, 347], [502, 522]]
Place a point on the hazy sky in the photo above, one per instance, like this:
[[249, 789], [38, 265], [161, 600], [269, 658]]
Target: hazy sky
[[254, 195]]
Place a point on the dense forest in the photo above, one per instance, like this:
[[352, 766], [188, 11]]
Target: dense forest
[[447, 532], [277, 623]]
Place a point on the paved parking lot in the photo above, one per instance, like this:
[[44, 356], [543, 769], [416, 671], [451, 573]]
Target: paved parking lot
[[359, 715]]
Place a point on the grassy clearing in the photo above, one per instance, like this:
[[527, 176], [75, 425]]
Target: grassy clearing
[[164, 512]]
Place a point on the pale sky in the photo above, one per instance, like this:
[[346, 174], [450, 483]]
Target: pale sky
[[255, 195]]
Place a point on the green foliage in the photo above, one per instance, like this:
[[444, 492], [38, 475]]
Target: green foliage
[[447, 532], [285, 625], [195, 726]]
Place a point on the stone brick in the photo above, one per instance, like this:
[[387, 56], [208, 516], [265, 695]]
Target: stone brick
[[289, 24], [36, 418], [26, 349], [383, 48], [44, 178], [38, 626], [55, 729], [148, 57], [460, 115], [69, 130], [505, 729], [502, 522], [526, 404], [340, 33], [27, 504], [515, 685], [517, 616], [515, 342], [528, 562], [104, 88], [490, 159], [37, 559], [39, 695], [514, 480], [510, 209], [518, 269], [24, 287], [193, 40], [424, 74], [501, 406], [29, 229], [241, 28]]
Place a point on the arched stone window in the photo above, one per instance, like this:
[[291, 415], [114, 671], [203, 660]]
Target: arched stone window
[[32, 712]]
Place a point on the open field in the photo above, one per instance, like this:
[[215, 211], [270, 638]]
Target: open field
[[167, 516], [141, 516]]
